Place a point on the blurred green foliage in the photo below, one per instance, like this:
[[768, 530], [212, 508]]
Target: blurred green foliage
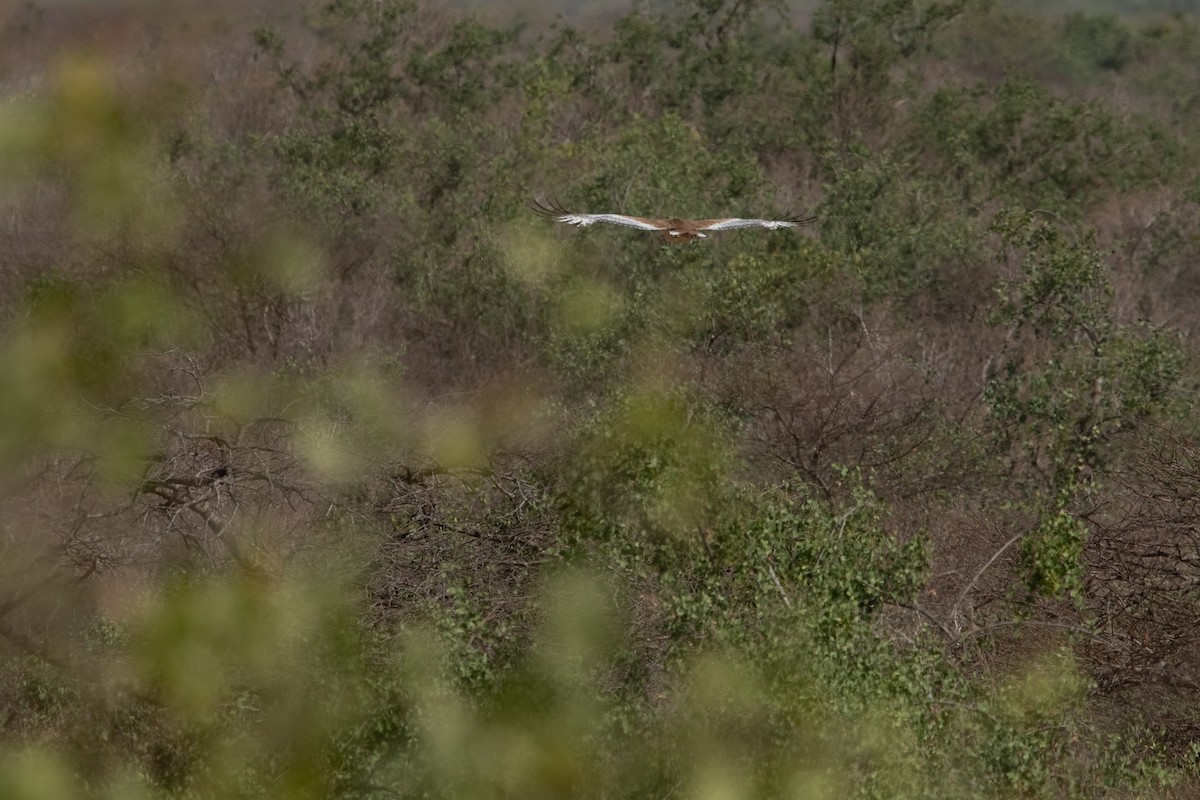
[[331, 471]]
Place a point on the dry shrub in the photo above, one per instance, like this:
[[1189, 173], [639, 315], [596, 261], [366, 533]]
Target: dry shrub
[[863, 391], [1144, 566]]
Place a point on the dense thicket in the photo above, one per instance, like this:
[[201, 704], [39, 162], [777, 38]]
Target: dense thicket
[[330, 470]]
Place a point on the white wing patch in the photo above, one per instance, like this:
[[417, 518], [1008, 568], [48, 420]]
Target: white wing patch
[[551, 209], [616, 219], [769, 224]]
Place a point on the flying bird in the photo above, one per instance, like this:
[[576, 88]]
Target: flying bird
[[673, 229]]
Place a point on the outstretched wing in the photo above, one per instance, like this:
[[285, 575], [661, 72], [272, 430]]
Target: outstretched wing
[[735, 222], [550, 209]]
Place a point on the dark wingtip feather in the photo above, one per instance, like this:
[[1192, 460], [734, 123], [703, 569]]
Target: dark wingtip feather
[[800, 219], [545, 207]]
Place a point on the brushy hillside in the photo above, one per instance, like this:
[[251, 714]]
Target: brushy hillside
[[331, 470]]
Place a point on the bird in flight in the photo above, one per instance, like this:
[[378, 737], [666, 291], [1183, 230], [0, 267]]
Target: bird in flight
[[673, 229]]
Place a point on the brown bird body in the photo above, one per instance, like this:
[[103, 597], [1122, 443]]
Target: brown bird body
[[673, 229]]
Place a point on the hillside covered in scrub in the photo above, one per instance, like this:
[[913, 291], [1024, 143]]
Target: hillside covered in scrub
[[329, 469]]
